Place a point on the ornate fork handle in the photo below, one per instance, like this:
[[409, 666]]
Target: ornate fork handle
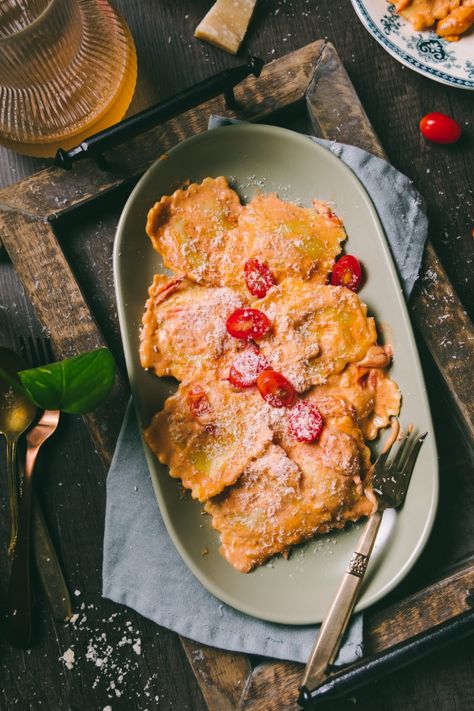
[[329, 637], [18, 626]]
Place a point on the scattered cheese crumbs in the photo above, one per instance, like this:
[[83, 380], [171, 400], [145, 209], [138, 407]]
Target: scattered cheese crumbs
[[137, 647], [73, 619], [77, 593], [68, 658], [107, 708], [226, 23]]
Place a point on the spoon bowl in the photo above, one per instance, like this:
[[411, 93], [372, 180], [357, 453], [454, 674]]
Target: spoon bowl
[[17, 413]]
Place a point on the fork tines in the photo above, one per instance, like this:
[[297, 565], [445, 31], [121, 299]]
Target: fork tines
[[391, 478], [407, 451], [36, 351]]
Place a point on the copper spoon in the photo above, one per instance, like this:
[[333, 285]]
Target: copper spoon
[[18, 623], [14, 407]]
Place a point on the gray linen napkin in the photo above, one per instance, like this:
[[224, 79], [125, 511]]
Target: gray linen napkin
[[141, 567]]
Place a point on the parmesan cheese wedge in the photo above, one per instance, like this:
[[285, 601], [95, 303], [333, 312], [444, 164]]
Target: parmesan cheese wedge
[[226, 23]]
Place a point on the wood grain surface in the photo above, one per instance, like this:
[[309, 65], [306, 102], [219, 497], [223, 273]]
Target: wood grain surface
[[276, 682], [73, 490]]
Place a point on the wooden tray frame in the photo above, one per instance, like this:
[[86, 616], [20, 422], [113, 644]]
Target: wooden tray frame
[[28, 213]]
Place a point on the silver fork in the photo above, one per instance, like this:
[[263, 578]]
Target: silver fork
[[390, 481], [18, 621]]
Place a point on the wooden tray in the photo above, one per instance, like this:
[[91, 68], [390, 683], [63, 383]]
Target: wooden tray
[[36, 211]]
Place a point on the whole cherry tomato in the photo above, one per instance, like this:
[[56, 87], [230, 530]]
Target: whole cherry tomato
[[247, 323], [246, 367], [347, 272], [305, 422], [258, 277], [276, 389], [440, 128]]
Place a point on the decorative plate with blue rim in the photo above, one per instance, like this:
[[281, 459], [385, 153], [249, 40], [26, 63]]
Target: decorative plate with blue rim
[[447, 62]]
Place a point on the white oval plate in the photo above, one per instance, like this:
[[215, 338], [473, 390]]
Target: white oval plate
[[299, 590], [423, 51]]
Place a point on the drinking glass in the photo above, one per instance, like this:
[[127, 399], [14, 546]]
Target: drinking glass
[[68, 69]]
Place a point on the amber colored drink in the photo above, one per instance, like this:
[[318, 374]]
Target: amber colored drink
[[68, 69]]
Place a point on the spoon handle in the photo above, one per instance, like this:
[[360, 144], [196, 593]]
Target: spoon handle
[[12, 483], [18, 618]]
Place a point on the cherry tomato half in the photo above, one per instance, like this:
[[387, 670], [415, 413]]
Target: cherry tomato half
[[258, 277], [439, 128], [305, 422], [246, 367], [197, 401], [247, 323], [276, 389], [347, 272]]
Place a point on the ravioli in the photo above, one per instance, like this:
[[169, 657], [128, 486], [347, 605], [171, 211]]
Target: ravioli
[[208, 434], [265, 490], [286, 497], [183, 328], [204, 233], [373, 396], [190, 227], [316, 330], [292, 240]]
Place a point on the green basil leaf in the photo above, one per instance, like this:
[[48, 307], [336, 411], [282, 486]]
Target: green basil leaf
[[75, 385]]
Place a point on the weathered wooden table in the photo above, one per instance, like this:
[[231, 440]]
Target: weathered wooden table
[[123, 660]]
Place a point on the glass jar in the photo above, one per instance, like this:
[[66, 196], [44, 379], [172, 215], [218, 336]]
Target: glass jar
[[68, 69]]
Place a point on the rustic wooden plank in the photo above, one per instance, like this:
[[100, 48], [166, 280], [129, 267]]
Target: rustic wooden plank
[[448, 333], [278, 682], [222, 676], [54, 191], [334, 108], [441, 601], [435, 307], [61, 308]]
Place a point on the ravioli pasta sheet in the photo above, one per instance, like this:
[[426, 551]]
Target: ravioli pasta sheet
[[265, 490], [183, 328], [205, 234]]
